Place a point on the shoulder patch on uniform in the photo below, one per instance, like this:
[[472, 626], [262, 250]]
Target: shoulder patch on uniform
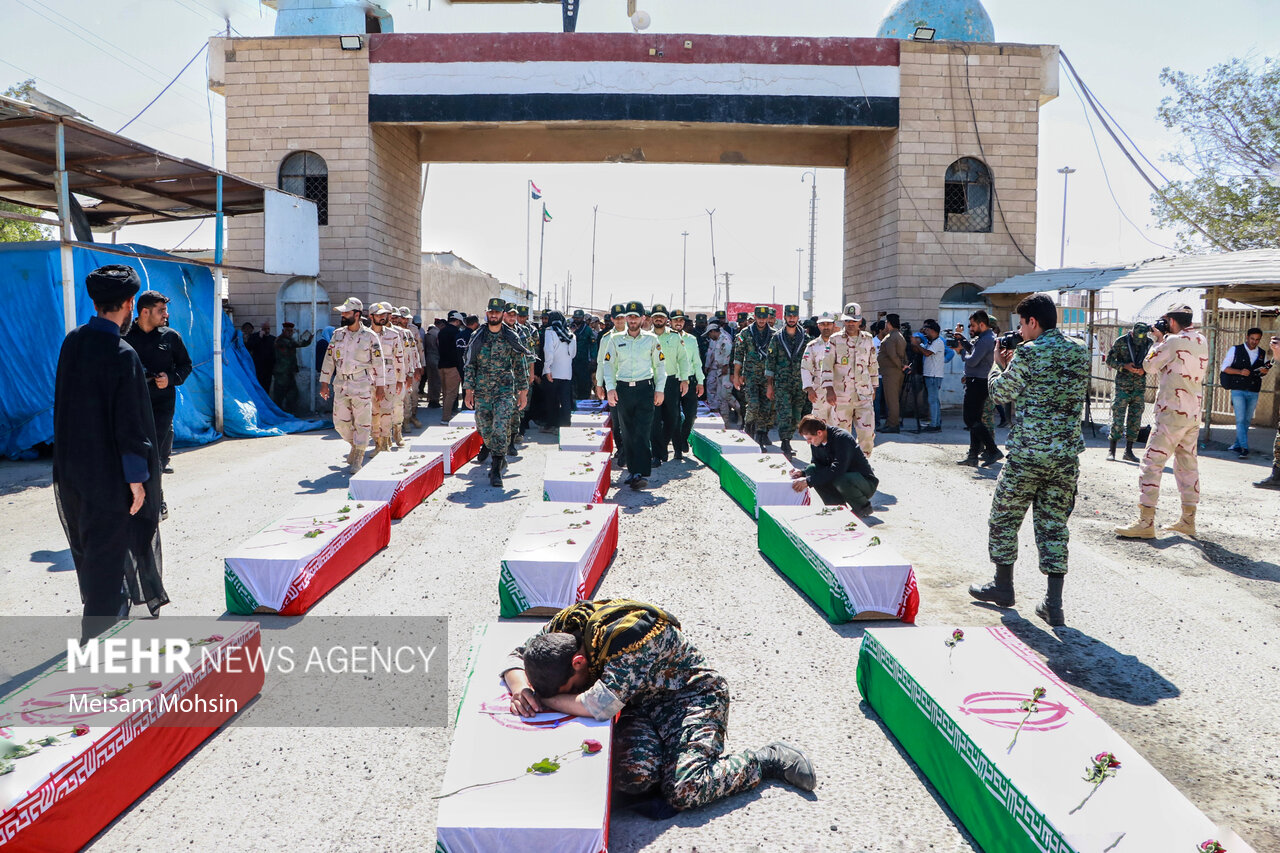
[[661, 357]]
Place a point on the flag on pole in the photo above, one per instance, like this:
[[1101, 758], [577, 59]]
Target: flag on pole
[[534, 191], [546, 217]]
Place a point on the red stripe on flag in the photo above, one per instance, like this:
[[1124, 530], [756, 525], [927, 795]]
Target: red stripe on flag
[[627, 47]]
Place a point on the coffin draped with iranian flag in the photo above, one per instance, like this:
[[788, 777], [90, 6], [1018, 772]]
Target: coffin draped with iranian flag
[[711, 445], [598, 419], [829, 554], [459, 444], [956, 712], [401, 480], [578, 477], [555, 556], [290, 565], [586, 439], [61, 796], [760, 479], [562, 812]]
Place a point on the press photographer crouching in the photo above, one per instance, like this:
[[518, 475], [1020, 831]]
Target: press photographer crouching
[[977, 353], [839, 473], [1048, 375]]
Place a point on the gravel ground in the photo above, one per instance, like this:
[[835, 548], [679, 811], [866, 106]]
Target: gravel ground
[[1174, 643]]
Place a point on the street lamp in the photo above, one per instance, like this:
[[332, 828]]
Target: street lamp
[[813, 223], [684, 267], [1065, 172]]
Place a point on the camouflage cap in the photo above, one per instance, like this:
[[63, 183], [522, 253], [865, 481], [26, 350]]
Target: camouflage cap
[[1179, 308], [762, 312], [352, 304], [826, 317], [404, 312], [659, 310], [497, 303], [791, 310], [380, 308]]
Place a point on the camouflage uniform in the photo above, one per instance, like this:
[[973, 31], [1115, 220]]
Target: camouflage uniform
[[384, 410], [1131, 389], [753, 361], [719, 363], [788, 387], [355, 359], [1179, 363], [528, 335], [855, 373], [284, 391], [1050, 376], [415, 361], [674, 715], [815, 375], [493, 372]]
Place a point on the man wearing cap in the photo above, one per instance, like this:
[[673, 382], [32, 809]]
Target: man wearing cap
[[785, 384], [166, 364], [582, 356], [691, 385], [106, 460], [450, 364], [531, 335], [816, 370], [635, 375], [699, 331], [719, 372], [392, 345], [750, 361], [284, 383], [526, 335], [617, 316], [401, 319], [494, 383], [262, 348], [855, 373], [1125, 358], [892, 359], [1179, 360], [666, 417], [354, 359]]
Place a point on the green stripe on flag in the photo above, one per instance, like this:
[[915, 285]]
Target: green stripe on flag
[[706, 451], [797, 561], [239, 599], [511, 599], [739, 487], [996, 813]]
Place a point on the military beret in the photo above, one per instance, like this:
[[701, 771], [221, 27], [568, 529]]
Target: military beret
[[112, 283]]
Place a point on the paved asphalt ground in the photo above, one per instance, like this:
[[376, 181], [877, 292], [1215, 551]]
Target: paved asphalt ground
[[1174, 643]]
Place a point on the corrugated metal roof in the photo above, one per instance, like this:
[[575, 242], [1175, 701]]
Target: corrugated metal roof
[[1251, 274]]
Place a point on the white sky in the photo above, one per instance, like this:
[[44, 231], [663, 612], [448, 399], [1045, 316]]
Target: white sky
[[108, 58]]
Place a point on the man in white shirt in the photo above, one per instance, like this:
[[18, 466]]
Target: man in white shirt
[[935, 367], [1241, 374], [559, 346]]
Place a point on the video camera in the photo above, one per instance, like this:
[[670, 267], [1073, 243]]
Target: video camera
[[1010, 340], [1162, 326]]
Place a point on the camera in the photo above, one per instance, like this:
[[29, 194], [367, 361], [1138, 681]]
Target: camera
[[1010, 340], [905, 328], [1162, 325]]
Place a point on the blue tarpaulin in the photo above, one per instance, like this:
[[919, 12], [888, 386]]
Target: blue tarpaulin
[[31, 282]]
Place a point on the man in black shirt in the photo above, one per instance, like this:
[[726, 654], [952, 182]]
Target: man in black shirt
[[451, 348], [839, 473], [262, 348], [165, 361]]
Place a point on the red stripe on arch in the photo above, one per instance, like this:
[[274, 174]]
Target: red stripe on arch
[[628, 47]]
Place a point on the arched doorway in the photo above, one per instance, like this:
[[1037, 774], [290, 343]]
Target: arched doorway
[[304, 302]]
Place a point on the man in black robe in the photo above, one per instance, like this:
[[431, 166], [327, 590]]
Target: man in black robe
[[106, 462]]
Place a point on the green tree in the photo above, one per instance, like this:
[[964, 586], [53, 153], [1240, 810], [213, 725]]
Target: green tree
[[1229, 119], [15, 230]]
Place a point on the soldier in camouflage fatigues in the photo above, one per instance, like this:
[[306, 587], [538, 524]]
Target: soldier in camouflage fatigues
[[750, 360], [1125, 358], [417, 363], [493, 384], [855, 374], [1049, 376], [515, 317], [786, 387], [384, 409], [620, 657], [354, 359]]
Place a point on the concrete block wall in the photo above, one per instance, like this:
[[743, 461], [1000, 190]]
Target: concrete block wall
[[307, 94], [897, 255]]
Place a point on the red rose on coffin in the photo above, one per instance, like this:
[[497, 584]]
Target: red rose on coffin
[[1211, 846], [154, 685], [1110, 759], [591, 747], [81, 729]]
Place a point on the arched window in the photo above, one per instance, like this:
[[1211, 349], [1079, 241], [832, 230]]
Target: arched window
[[305, 174], [967, 196], [964, 293]]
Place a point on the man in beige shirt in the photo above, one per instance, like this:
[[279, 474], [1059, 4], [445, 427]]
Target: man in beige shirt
[[892, 358], [1178, 360], [855, 374]]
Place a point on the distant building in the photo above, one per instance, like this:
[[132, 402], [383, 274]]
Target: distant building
[[450, 281]]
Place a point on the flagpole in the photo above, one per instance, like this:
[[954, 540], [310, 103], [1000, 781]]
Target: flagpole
[[528, 202], [542, 242]]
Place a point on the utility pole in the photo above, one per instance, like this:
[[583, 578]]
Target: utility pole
[[727, 300], [800, 277], [684, 272], [715, 279], [813, 222], [595, 210], [1065, 172]]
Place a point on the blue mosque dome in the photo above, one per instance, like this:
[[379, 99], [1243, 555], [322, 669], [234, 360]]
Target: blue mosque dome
[[954, 20]]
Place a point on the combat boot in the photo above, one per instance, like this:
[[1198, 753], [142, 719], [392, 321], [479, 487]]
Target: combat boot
[[397, 435], [1128, 452], [762, 439], [495, 471], [417, 424], [355, 459], [1272, 482], [781, 760], [1143, 528], [483, 454], [1187, 524], [786, 447], [999, 591], [1050, 610], [1111, 451]]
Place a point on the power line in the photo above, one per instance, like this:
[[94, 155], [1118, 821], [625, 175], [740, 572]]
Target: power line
[[202, 49]]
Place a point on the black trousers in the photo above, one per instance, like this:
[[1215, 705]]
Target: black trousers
[[666, 420], [688, 412], [635, 409], [615, 426], [100, 541], [581, 380], [975, 396], [559, 402], [162, 413]]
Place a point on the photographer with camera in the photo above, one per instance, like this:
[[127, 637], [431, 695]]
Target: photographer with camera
[[1178, 360], [1242, 372], [1049, 376], [977, 354], [1273, 482]]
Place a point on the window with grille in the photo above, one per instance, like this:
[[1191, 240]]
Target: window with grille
[[305, 174], [967, 196]]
